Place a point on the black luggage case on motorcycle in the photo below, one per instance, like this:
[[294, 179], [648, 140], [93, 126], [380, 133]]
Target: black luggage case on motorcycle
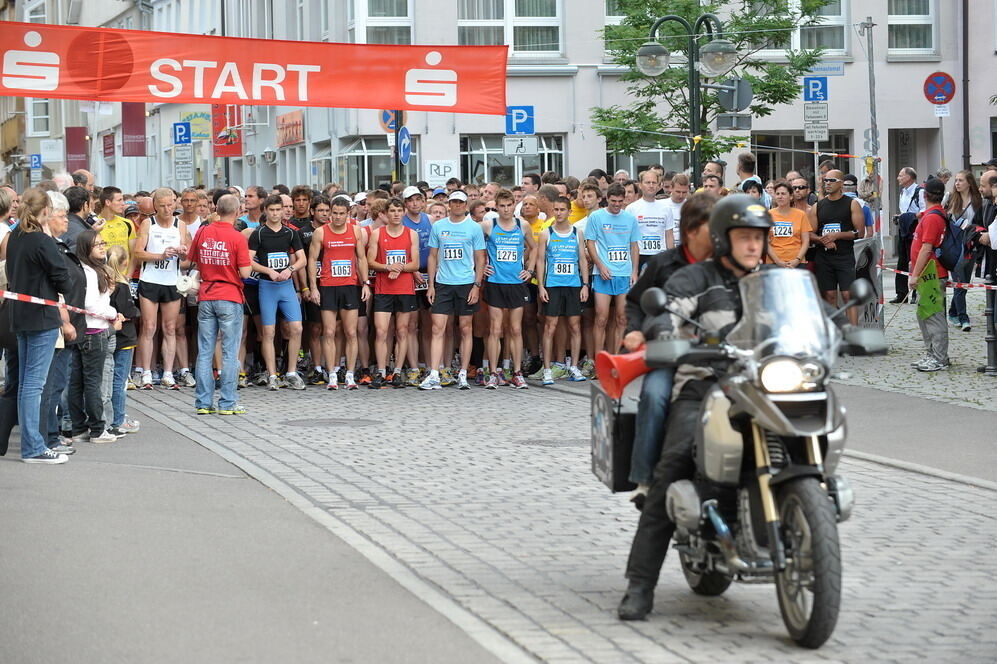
[[613, 423]]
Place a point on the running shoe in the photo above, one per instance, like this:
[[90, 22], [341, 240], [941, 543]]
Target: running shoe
[[187, 378], [130, 384], [430, 383], [206, 411], [318, 377], [261, 379], [294, 381], [413, 377], [168, 381], [931, 364], [519, 382], [63, 447], [954, 321], [234, 410], [575, 376], [559, 371], [243, 381], [104, 437], [472, 372], [462, 383], [273, 383], [588, 368], [341, 374], [333, 383], [446, 378], [146, 380], [492, 382], [365, 376], [479, 378], [533, 364], [501, 378], [538, 374], [350, 384], [397, 380], [921, 360], [548, 377], [117, 432], [377, 382], [130, 426], [966, 327], [49, 457]]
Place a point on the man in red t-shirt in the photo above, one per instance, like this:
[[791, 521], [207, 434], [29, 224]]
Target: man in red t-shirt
[[221, 254], [927, 237]]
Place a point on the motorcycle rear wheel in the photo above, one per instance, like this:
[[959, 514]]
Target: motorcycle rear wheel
[[809, 589], [709, 584]]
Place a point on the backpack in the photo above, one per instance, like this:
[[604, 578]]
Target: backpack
[[953, 247]]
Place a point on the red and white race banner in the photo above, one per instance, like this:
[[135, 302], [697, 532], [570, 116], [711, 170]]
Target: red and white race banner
[[102, 64]]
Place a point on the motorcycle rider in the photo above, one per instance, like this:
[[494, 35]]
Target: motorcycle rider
[[656, 391], [706, 292]]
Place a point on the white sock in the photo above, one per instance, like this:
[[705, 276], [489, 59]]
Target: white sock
[[383, 372], [462, 373], [349, 376], [505, 363], [291, 373], [434, 374], [318, 367]]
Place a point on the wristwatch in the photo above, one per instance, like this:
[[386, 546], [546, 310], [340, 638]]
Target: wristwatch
[[477, 284]]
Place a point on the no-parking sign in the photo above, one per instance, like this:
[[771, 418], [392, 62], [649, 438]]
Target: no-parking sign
[[939, 88]]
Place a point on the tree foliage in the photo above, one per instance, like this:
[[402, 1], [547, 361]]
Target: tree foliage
[[661, 104]]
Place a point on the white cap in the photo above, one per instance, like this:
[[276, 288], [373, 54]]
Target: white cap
[[361, 197], [349, 201], [411, 190], [458, 196]]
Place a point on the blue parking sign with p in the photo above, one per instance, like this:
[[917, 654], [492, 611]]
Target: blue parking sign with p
[[181, 133], [815, 88], [519, 120], [36, 161]]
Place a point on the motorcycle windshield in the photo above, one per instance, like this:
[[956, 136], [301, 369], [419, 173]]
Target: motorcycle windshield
[[783, 315]]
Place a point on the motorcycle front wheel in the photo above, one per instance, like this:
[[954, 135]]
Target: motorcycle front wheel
[[809, 589], [710, 583]]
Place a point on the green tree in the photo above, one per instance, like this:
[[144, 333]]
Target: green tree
[[661, 104]]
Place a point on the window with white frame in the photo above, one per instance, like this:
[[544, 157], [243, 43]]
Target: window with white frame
[[379, 21], [531, 27], [482, 159], [34, 12], [38, 111], [637, 163], [368, 163], [614, 15], [911, 27], [829, 33]]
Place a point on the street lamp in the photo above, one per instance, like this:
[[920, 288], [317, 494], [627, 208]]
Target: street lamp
[[716, 58]]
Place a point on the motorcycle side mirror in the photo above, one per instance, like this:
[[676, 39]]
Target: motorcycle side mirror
[[654, 302]]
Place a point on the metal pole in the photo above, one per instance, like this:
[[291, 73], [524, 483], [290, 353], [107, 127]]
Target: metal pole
[[397, 175], [991, 367], [941, 144], [817, 189], [965, 85], [877, 197]]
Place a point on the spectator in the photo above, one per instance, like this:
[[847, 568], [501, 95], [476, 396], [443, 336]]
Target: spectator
[[221, 254], [125, 341], [621, 176], [79, 214], [789, 237], [927, 236], [964, 202], [910, 206], [746, 173], [850, 187], [35, 267], [754, 189], [86, 402]]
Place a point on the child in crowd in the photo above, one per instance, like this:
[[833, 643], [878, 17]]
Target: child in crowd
[[126, 340]]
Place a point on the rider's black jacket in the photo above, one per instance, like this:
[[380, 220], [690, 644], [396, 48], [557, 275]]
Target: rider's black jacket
[[659, 269]]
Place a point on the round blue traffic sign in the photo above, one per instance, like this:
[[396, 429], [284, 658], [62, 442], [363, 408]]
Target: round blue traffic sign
[[939, 88], [404, 145]]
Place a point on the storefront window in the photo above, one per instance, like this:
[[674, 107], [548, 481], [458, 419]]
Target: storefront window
[[482, 159], [367, 163]]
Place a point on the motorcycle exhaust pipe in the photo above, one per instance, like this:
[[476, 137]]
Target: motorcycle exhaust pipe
[[616, 371], [734, 562]]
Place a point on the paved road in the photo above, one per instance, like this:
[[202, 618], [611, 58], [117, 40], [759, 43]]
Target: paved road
[[154, 549], [489, 497]]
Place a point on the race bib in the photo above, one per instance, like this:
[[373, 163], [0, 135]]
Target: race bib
[[650, 243], [506, 255], [618, 255], [830, 228], [564, 269], [278, 260], [133, 287], [425, 282], [453, 252], [162, 265], [393, 256], [782, 229], [340, 268], [318, 269]]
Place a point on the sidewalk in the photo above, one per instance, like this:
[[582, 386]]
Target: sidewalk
[[153, 549]]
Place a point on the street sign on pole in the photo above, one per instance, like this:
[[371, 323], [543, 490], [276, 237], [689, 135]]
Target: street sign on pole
[[519, 120], [815, 88], [389, 120], [404, 146], [815, 112], [939, 88], [522, 146], [181, 133], [738, 97], [183, 162], [815, 132], [942, 111], [36, 161]]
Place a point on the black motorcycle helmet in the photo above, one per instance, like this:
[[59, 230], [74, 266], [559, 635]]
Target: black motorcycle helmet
[[736, 211]]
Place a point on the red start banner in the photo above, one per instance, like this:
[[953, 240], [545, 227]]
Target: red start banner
[[102, 64]]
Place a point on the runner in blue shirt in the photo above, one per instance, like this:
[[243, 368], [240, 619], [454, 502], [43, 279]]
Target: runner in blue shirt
[[612, 235], [511, 255], [456, 264]]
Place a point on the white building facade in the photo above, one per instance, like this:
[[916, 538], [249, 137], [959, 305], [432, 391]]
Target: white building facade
[[558, 65]]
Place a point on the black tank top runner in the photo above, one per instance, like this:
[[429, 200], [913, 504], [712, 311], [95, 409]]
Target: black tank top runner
[[834, 217]]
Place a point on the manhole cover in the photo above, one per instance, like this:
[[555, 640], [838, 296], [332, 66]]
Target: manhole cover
[[330, 422], [567, 442]]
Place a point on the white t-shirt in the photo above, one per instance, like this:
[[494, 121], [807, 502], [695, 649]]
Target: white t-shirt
[[676, 210], [655, 221]]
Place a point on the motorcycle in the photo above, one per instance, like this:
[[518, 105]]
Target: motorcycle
[[766, 497]]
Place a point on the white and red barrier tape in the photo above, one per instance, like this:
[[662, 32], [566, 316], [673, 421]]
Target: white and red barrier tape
[[950, 284], [8, 295]]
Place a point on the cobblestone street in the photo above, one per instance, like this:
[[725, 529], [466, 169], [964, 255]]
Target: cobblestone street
[[489, 497]]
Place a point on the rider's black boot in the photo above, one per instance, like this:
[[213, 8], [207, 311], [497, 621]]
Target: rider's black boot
[[637, 602]]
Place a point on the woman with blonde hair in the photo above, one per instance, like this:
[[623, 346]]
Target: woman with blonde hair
[[963, 206], [125, 341], [35, 267]]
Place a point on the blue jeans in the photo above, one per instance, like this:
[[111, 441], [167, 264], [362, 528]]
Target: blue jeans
[[34, 350], [649, 433], [58, 379], [107, 379], [122, 365], [214, 316], [86, 405], [957, 309]]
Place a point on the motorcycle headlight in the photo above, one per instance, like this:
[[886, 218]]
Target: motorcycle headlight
[[790, 375]]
